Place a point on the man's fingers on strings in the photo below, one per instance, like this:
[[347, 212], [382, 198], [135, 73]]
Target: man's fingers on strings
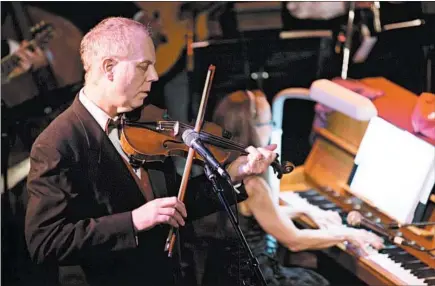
[[254, 155], [266, 154], [271, 147], [253, 152]]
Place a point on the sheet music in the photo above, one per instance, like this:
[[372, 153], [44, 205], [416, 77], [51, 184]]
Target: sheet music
[[395, 170]]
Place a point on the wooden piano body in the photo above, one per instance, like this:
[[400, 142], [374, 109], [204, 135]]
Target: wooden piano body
[[329, 165]]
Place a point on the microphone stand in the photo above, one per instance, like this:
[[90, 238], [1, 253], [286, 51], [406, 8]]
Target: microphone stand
[[218, 190], [5, 137], [348, 42], [398, 225]]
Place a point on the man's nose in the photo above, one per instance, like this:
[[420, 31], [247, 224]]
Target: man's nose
[[152, 74]]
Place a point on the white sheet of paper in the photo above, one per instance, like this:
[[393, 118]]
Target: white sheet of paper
[[394, 169]]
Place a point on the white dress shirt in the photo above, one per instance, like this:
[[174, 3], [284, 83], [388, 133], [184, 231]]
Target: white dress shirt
[[102, 119]]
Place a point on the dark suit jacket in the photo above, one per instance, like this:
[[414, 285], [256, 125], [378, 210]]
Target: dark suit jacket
[[81, 196]]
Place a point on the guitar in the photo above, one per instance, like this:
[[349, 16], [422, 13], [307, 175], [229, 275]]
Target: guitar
[[170, 32], [42, 33]]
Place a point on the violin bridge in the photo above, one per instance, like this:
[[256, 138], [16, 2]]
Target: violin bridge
[[176, 128], [172, 126]]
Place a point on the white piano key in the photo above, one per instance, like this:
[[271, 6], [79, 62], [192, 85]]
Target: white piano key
[[395, 268], [383, 260]]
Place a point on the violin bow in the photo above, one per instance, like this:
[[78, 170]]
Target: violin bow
[[170, 240]]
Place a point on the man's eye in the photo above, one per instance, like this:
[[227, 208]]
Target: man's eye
[[144, 68]]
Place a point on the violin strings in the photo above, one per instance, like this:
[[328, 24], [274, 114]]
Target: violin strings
[[208, 136], [218, 139], [213, 138]]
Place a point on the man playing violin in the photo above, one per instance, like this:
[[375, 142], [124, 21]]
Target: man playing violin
[[87, 206]]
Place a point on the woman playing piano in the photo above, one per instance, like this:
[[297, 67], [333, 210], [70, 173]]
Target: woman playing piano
[[247, 115]]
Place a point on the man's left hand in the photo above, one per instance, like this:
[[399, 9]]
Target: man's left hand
[[255, 163]]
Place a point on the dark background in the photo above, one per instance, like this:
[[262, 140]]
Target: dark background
[[398, 56]]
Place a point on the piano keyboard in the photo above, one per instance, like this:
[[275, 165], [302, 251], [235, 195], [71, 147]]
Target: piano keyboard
[[393, 259]]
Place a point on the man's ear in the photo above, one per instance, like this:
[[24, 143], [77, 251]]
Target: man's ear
[[107, 67]]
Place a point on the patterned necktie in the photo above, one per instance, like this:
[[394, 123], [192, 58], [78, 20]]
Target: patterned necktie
[[140, 175]]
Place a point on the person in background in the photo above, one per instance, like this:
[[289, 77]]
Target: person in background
[[247, 115], [30, 60], [18, 84]]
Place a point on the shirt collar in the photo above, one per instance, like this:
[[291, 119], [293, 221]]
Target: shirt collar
[[99, 115]]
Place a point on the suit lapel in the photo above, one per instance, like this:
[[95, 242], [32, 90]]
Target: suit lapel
[[108, 161], [157, 181], [162, 178]]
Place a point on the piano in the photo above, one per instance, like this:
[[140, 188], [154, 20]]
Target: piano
[[322, 181]]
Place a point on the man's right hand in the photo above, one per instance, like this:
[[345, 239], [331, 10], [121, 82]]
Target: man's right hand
[[159, 211]]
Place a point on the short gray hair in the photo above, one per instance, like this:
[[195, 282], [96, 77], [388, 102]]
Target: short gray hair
[[111, 37]]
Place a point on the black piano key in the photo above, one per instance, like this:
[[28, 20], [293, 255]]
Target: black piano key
[[389, 248], [337, 209], [319, 198], [393, 250], [318, 202], [430, 281], [343, 216], [426, 272], [401, 258], [413, 265], [308, 194], [315, 203], [387, 245], [328, 206], [400, 254]]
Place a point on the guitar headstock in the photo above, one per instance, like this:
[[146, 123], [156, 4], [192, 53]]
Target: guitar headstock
[[42, 33]]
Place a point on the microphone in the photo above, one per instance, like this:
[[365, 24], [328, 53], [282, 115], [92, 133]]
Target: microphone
[[191, 138], [354, 218]]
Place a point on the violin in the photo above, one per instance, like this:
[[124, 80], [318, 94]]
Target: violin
[[154, 137]]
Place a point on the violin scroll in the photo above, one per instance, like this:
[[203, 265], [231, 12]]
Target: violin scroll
[[285, 168]]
